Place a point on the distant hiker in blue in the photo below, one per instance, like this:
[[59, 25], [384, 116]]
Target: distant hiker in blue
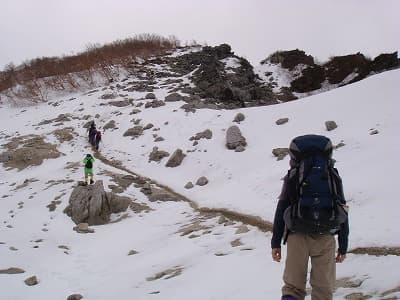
[[97, 139], [92, 133], [88, 165], [310, 211]]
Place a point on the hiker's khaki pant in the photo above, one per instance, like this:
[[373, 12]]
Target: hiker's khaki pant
[[321, 250]]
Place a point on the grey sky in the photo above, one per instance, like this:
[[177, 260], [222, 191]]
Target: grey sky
[[254, 28]]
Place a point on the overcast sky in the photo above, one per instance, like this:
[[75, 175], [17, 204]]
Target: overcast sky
[[254, 28]]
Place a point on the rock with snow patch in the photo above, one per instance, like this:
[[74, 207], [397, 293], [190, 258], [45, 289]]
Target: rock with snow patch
[[330, 125], [154, 104], [157, 155], [176, 159], [239, 118], [240, 148], [109, 96], [202, 181], [234, 138], [120, 103], [83, 228], [290, 59], [148, 126]]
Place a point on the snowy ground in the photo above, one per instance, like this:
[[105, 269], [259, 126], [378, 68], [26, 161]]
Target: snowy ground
[[206, 265]]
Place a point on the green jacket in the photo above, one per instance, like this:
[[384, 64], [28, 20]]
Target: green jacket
[[85, 160]]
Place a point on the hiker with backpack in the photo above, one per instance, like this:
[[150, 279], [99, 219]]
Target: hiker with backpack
[[97, 139], [88, 168], [92, 133], [311, 210]]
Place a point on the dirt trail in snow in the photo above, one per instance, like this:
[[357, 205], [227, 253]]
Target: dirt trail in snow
[[231, 215], [246, 219]]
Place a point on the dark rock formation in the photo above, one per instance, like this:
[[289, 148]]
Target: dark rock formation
[[339, 67], [290, 59], [176, 159], [311, 80]]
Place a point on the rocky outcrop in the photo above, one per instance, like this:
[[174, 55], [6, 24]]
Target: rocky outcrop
[[206, 134], [311, 79], [92, 205], [134, 132], [225, 86], [234, 138]]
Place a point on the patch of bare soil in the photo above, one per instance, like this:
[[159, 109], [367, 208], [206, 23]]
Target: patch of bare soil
[[26, 151], [65, 134]]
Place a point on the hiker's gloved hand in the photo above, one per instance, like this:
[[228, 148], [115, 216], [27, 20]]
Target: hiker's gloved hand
[[340, 257], [276, 254]]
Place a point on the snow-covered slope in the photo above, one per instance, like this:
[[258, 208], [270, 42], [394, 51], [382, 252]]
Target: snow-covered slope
[[206, 263]]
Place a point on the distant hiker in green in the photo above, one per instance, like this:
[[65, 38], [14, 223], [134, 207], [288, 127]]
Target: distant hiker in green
[[88, 163]]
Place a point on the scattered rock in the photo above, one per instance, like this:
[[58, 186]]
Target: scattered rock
[[374, 131], [109, 96], [240, 148], [75, 297], [206, 134], [157, 155], [234, 138], [121, 103], [64, 135], [282, 121], [148, 126], [330, 125], [189, 185], [151, 96], [174, 97], [31, 281], [154, 104], [12, 270], [280, 153], [135, 111], [109, 125], [132, 252], [83, 228], [159, 139], [236, 243], [134, 132], [202, 181], [357, 296], [242, 229], [176, 159], [167, 274], [239, 118]]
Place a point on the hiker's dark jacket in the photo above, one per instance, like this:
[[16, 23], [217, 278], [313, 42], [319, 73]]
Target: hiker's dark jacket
[[279, 224]]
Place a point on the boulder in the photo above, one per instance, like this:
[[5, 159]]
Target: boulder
[[109, 125], [75, 297], [31, 281], [150, 96], [280, 153], [174, 97], [206, 134], [239, 118], [134, 132], [330, 125], [282, 121], [176, 159], [12, 270], [385, 61], [234, 138], [189, 185], [92, 205], [202, 181]]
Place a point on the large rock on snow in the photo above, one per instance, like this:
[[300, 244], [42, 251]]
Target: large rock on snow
[[91, 204], [234, 138], [176, 158]]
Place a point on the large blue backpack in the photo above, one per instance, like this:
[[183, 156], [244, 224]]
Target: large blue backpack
[[315, 187]]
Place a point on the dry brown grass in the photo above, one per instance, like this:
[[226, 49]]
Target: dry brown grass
[[35, 76]]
